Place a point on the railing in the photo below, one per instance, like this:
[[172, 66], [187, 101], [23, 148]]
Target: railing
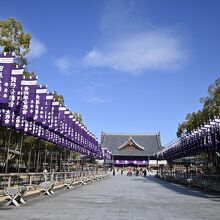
[[33, 180], [206, 182]]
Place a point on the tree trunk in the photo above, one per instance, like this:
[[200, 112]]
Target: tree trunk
[[29, 160], [38, 157], [35, 155]]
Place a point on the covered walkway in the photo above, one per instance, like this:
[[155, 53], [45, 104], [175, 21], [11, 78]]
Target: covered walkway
[[121, 198]]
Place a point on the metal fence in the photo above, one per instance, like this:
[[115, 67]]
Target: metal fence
[[205, 182]]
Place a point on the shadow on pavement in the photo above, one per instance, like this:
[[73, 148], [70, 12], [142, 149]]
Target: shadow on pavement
[[214, 196]]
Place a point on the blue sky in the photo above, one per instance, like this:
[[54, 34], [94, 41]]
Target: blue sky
[[135, 66]]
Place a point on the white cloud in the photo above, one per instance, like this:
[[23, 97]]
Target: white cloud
[[153, 50], [37, 48], [92, 94], [129, 42], [95, 100], [67, 65], [64, 65]]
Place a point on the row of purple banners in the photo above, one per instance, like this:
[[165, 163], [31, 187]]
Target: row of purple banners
[[130, 162], [28, 107], [205, 138]]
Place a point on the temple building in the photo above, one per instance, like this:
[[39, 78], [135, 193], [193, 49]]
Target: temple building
[[132, 149]]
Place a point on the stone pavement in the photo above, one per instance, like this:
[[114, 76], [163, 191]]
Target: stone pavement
[[120, 198]]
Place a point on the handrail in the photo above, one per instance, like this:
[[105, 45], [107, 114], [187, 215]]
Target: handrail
[[204, 181], [34, 179], [40, 173]]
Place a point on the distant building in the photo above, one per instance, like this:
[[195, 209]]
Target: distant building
[[132, 149]]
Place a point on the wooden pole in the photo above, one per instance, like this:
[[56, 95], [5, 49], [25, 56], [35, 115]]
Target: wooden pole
[[8, 148], [38, 157], [29, 158], [51, 159], [45, 157], [56, 164], [61, 155], [20, 156]]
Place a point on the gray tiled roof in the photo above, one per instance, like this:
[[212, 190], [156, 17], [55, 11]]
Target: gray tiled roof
[[150, 142]]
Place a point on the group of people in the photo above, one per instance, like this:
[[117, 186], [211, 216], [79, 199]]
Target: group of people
[[130, 172]]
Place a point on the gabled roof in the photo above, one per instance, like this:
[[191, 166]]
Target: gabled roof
[[149, 143], [130, 142]]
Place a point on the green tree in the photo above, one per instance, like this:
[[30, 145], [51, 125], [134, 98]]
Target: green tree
[[181, 129], [78, 117], [59, 98], [211, 108], [27, 73], [13, 39], [213, 98]]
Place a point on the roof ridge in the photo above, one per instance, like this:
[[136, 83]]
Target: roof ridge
[[130, 134]]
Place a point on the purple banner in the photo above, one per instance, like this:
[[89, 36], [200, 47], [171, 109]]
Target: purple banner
[[80, 134], [66, 121], [77, 135], [15, 87], [48, 110], [6, 64], [60, 121], [69, 128], [7, 117], [40, 104], [54, 116], [19, 122], [28, 88]]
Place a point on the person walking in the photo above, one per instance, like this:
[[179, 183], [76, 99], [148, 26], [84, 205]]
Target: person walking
[[113, 172], [145, 172], [122, 171]]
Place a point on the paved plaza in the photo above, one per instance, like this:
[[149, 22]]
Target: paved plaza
[[121, 198]]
